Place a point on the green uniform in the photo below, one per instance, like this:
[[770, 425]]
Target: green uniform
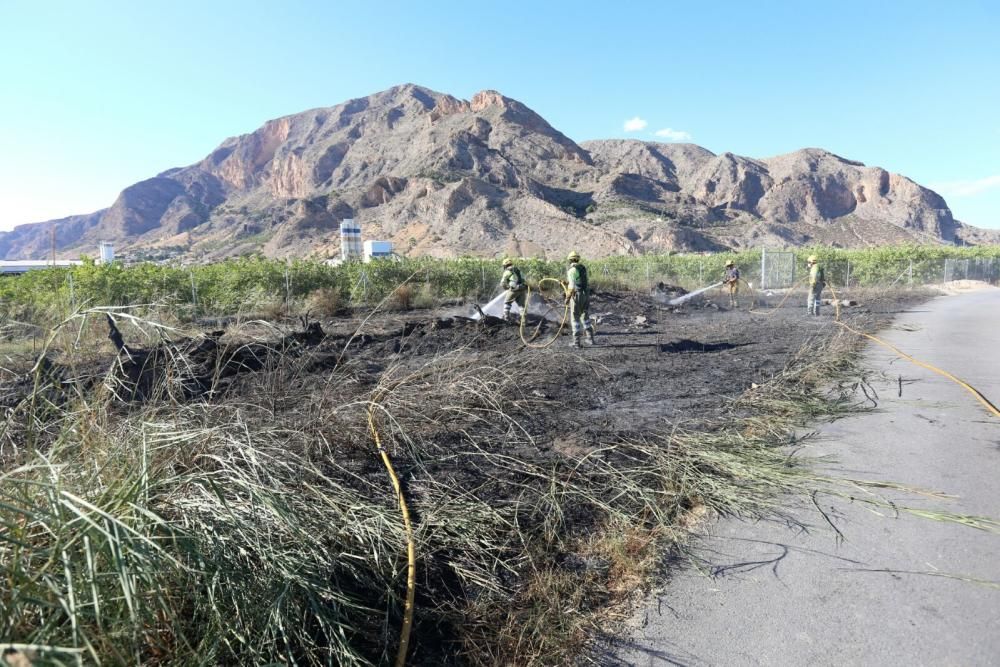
[[579, 288], [732, 279], [517, 289], [817, 280]]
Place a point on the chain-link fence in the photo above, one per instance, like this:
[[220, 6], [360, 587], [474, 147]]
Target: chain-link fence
[[782, 270], [986, 269], [777, 269]]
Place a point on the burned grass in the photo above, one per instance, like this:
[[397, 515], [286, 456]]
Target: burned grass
[[218, 499]]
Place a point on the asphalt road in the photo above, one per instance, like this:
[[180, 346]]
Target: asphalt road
[[896, 590]]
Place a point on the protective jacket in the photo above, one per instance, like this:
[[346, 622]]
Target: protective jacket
[[732, 275], [816, 276], [512, 279], [576, 278]]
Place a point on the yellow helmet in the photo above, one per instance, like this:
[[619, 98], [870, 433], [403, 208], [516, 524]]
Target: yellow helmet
[[507, 261], [573, 256], [812, 259], [730, 263]]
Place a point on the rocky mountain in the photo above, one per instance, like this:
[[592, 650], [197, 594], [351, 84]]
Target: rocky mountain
[[443, 176]]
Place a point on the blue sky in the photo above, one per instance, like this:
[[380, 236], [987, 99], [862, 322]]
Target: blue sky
[[98, 95]]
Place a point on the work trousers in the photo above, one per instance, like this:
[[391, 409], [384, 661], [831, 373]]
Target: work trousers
[[812, 304], [578, 310], [517, 296]]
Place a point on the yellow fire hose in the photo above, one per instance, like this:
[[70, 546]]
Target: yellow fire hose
[[524, 315], [903, 355], [411, 548], [934, 369], [753, 299]]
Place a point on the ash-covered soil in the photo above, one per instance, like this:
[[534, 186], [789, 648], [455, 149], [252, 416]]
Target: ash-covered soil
[[653, 365]]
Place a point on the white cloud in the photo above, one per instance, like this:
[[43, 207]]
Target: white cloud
[[673, 135], [968, 188], [635, 124]]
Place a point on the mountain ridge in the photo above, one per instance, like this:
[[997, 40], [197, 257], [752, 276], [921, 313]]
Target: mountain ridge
[[442, 176]]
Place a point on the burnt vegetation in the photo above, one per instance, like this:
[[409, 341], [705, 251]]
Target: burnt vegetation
[[176, 496]]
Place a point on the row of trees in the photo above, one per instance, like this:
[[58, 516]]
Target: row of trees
[[247, 283]]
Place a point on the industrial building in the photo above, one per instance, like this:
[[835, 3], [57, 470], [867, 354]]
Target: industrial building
[[18, 266], [352, 249], [377, 250], [105, 250]]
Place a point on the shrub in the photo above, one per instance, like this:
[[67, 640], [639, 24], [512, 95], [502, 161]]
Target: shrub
[[326, 301], [402, 298]]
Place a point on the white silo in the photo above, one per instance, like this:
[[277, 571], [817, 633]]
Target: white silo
[[350, 240], [106, 251]]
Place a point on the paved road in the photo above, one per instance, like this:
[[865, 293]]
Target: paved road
[[773, 595]]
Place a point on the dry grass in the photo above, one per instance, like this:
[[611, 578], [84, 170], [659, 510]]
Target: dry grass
[[402, 298], [326, 302]]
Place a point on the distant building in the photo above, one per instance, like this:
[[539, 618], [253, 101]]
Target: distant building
[[17, 266], [377, 250], [350, 240], [106, 255], [106, 252]]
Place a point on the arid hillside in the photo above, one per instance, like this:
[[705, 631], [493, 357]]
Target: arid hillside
[[443, 176]]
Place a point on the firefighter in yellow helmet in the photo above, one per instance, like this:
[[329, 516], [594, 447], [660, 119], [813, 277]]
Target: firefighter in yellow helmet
[[817, 280], [517, 290], [578, 294], [731, 278]]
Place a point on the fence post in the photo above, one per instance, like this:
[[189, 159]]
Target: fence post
[[72, 297], [763, 268], [847, 283], [194, 291], [911, 273], [701, 280], [288, 285], [649, 281]]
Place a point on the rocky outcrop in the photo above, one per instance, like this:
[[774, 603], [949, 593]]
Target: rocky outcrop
[[444, 176]]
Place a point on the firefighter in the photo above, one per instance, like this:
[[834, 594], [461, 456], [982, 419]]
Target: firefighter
[[817, 280], [578, 295], [731, 278], [517, 289]]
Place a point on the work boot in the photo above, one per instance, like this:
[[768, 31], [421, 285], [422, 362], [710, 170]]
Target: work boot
[[590, 337], [575, 341]]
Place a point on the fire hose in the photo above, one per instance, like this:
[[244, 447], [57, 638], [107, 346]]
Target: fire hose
[[990, 407], [978, 395], [562, 323], [411, 548]]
